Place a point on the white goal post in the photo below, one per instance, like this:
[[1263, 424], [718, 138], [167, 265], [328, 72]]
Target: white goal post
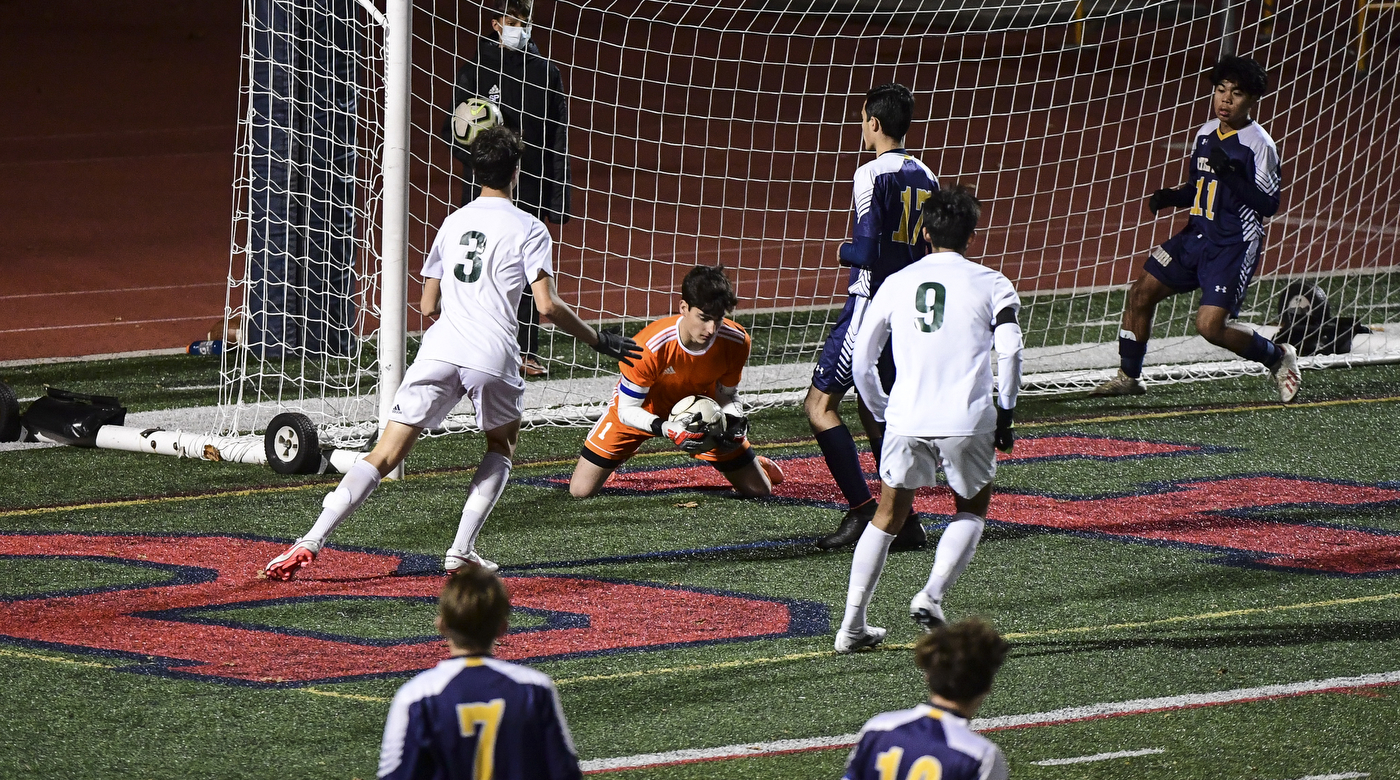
[[727, 132]]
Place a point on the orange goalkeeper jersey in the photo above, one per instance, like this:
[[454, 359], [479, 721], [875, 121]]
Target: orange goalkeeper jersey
[[668, 372]]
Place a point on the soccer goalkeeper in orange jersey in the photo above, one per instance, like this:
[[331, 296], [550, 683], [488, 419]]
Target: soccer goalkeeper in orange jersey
[[699, 352]]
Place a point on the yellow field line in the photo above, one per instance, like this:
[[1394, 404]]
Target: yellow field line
[[355, 696], [1012, 636], [54, 659], [663, 454]]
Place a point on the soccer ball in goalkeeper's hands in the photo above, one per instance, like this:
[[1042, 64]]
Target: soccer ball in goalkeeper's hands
[[700, 413], [471, 117]]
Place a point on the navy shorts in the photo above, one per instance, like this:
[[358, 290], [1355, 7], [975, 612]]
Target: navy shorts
[[1222, 272], [833, 372]]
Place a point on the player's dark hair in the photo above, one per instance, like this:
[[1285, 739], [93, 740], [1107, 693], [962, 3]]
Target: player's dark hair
[[707, 288], [495, 155], [1243, 72], [893, 105], [474, 606], [960, 660], [520, 9], [950, 217]]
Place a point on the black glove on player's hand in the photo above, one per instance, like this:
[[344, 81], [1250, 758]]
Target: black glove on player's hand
[[1159, 200], [1006, 429], [1223, 166], [736, 430], [613, 344]]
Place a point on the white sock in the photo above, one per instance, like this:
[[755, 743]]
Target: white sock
[[955, 549], [487, 484], [354, 488], [869, 561]]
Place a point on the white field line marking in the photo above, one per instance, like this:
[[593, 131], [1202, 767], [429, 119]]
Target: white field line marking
[[115, 324], [1342, 776], [112, 291], [1098, 757], [1065, 715]]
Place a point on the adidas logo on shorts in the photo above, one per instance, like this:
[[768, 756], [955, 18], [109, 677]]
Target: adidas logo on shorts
[[669, 370]]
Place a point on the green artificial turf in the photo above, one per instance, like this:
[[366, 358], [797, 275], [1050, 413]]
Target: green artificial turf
[[1092, 619]]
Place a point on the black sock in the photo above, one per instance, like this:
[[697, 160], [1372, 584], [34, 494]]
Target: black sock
[[1261, 350], [1130, 355], [843, 461]]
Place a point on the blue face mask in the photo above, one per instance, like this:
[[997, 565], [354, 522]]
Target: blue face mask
[[515, 37]]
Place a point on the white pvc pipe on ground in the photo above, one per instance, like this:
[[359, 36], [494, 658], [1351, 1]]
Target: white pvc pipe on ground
[[203, 446]]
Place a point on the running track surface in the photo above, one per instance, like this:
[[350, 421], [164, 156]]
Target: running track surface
[[116, 153]]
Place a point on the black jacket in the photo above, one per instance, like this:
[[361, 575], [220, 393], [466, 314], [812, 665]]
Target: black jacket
[[530, 93]]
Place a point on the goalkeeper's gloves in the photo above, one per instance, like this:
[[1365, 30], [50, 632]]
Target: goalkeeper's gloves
[[1006, 429], [1223, 166], [688, 433], [613, 344], [736, 431]]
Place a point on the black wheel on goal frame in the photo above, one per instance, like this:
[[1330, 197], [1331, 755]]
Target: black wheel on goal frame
[[9, 414], [291, 444]]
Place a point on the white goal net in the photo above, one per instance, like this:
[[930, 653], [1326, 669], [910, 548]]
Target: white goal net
[[728, 133]]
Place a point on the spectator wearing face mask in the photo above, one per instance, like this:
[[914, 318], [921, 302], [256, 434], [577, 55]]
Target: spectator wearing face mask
[[510, 71]]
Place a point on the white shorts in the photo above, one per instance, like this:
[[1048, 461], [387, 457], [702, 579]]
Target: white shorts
[[970, 462], [431, 388]]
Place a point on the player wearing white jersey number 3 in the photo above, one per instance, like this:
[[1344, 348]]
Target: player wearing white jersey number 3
[[942, 315], [484, 256]]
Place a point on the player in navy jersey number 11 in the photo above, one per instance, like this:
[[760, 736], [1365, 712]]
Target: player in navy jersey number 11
[[473, 717], [1234, 184], [933, 740]]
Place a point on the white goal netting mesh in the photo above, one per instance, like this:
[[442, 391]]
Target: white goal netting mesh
[[728, 133]]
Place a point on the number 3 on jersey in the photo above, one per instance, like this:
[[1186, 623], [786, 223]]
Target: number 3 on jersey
[[475, 243], [928, 301]]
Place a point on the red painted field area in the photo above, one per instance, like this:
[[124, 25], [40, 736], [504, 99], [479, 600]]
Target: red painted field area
[[1227, 513], [215, 571]]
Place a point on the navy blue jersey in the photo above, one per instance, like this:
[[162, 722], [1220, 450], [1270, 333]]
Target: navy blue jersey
[[923, 742], [1232, 211], [477, 719], [888, 233]]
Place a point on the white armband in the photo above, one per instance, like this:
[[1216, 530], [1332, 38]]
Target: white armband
[[1006, 339], [629, 406], [732, 408]]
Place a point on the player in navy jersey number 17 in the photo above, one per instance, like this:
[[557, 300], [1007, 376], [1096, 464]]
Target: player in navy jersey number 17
[[888, 198], [933, 740], [1234, 184], [473, 717]]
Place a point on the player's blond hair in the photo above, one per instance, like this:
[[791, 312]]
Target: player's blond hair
[[474, 607]]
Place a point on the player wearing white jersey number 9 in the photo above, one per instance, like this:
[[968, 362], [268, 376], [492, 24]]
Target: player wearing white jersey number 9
[[943, 314], [484, 256]]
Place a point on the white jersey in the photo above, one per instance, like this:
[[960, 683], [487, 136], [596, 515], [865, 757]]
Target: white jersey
[[485, 254], [939, 313]]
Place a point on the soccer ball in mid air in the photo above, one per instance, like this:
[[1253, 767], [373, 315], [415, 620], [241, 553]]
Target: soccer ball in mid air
[[700, 413], [471, 117]]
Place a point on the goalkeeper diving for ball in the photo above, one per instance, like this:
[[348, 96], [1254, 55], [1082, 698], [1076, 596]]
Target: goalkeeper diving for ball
[[700, 352], [483, 257]]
